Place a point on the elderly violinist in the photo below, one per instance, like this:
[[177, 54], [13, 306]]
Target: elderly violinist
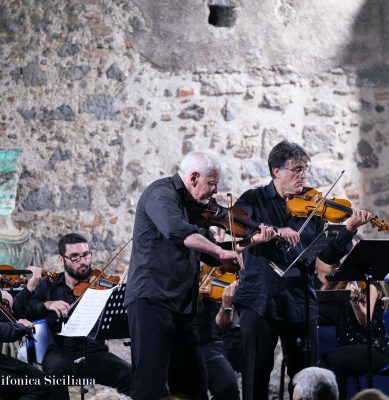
[[162, 286], [271, 306], [51, 300]]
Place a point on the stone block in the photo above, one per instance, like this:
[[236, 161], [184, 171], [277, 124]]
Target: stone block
[[39, 199], [103, 107], [184, 92]]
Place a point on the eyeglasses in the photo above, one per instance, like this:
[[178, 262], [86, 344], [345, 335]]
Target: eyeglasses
[[76, 259], [299, 170]]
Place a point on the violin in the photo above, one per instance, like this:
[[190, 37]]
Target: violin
[[209, 214], [11, 278], [96, 280], [332, 210], [213, 281], [6, 311], [359, 286]]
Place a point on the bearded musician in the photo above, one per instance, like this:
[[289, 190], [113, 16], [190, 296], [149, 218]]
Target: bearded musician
[[52, 300]]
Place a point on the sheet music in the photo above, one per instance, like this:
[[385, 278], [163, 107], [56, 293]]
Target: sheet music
[[86, 313]]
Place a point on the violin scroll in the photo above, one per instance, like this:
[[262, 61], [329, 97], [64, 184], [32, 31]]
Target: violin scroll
[[380, 224]]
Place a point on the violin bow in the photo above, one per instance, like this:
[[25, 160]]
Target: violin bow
[[231, 220], [320, 203], [232, 228], [233, 239], [6, 313]]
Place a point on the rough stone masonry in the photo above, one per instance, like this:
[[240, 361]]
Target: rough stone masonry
[[104, 96]]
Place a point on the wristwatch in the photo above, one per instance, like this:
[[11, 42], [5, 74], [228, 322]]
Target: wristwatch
[[227, 309]]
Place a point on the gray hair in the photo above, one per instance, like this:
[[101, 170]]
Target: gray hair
[[316, 383], [203, 162]]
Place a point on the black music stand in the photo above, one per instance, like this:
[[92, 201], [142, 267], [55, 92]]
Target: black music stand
[[367, 261], [300, 268], [112, 323], [331, 305]]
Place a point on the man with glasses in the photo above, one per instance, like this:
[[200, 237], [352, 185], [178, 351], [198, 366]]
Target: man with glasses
[[270, 306], [52, 300]]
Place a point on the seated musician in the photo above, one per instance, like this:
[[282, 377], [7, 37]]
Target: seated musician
[[349, 358], [52, 300], [18, 380], [220, 344]]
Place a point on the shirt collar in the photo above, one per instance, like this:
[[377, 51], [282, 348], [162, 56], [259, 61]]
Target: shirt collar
[[177, 182], [270, 191]]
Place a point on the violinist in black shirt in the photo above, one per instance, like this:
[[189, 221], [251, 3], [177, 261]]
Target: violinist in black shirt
[[270, 306], [162, 286], [52, 301]]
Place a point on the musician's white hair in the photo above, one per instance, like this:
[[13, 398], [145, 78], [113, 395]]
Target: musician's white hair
[[204, 162]]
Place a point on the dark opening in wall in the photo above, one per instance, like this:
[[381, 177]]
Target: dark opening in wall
[[222, 16]]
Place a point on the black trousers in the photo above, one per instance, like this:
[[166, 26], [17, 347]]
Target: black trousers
[[222, 381], [259, 339], [106, 368], [15, 369], [164, 348], [351, 360]]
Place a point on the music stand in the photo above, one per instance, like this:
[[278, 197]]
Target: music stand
[[331, 303], [112, 323], [300, 267], [365, 262]]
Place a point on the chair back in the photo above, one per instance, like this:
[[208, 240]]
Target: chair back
[[386, 320], [326, 337], [34, 349]]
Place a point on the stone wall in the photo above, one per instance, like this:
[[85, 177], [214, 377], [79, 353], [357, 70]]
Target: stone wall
[[106, 96]]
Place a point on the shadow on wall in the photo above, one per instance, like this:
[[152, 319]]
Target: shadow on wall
[[366, 59]]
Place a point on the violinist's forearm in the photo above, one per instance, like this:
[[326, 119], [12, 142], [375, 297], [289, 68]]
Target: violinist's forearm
[[223, 319], [360, 313], [241, 244], [360, 309], [199, 243]]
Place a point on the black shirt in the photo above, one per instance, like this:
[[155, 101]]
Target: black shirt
[[261, 288], [31, 306], [162, 269]]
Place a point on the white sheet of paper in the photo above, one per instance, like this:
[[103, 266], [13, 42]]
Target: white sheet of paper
[[86, 313]]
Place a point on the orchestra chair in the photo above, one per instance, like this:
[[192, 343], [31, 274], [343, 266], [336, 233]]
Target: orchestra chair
[[386, 320], [34, 349]]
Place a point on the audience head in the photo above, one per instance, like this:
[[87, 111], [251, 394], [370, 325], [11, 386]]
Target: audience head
[[315, 383], [370, 394]]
